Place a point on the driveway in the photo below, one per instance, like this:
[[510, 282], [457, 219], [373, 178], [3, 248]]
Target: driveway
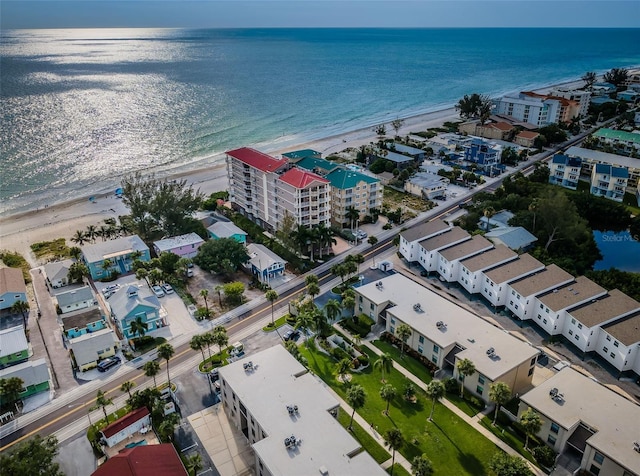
[[76, 457]]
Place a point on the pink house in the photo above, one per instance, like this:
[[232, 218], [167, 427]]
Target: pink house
[[185, 246]]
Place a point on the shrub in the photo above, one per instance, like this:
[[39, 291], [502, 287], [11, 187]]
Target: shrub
[[363, 359], [338, 353], [544, 455], [451, 386]]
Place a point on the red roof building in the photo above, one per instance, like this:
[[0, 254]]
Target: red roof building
[[124, 422], [301, 178], [151, 460], [257, 159]]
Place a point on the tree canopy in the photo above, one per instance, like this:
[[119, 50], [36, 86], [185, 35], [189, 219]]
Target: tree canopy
[[34, 457], [223, 256], [503, 464], [476, 105], [160, 207]]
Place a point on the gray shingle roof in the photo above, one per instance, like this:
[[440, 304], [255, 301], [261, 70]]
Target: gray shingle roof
[[515, 237], [85, 348], [12, 341], [58, 269], [127, 298], [425, 230], [33, 372]]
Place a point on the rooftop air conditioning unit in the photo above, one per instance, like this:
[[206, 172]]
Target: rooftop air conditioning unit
[[491, 351], [553, 392], [636, 446], [439, 324]]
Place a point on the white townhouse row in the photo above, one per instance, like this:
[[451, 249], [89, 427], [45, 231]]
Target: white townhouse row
[[444, 333], [587, 422], [584, 313]]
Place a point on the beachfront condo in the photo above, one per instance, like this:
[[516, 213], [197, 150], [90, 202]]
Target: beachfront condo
[[266, 189], [537, 109]]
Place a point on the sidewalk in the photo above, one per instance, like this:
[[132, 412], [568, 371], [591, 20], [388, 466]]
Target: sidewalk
[[473, 421]]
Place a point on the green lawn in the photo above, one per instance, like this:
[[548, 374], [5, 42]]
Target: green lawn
[[412, 365], [464, 404], [372, 447], [278, 323], [450, 443], [216, 360], [148, 344]]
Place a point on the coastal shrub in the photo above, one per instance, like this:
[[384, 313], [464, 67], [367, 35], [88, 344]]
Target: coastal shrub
[[339, 353], [544, 455], [16, 260], [363, 359], [451, 386]]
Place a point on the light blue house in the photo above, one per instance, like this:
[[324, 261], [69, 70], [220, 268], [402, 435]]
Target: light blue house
[[12, 287], [629, 96], [119, 253], [132, 302], [84, 321], [225, 229]]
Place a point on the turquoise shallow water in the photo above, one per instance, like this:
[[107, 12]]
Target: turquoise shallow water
[[81, 108]]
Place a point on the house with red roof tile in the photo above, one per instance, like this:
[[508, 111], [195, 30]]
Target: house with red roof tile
[[147, 460]]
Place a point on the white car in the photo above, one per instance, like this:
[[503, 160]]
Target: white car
[[361, 234], [157, 290], [166, 287]]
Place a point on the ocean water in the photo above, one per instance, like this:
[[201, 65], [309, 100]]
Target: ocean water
[[83, 108]]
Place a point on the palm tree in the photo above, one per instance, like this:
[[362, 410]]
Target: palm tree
[[533, 207], [531, 422], [103, 401], [207, 340], [220, 337], [356, 397], [21, 307], [91, 233], [384, 364], [325, 237], [219, 288], [387, 393], [77, 272], [104, 232], [196, 343], [204, 293], [499, 393], [75, 252], [332, 309], [435, 391], [488, 213], [106, 266], [352, 214], [404, 332], [79, 237], [304, 321], [342, 369], [194, 464], [139, 327], [465, 368], [421, 466], [151, 369], [589, 78], [142, 273], [358, 259], [393, 440], [166, 428], [313, 289], [271, 296], [166, 351], [127, 386], [155, 276]]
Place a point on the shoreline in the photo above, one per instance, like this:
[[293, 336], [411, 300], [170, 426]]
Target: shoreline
[[62, 219]]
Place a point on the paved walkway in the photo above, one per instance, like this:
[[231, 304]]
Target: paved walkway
[[473, 421]]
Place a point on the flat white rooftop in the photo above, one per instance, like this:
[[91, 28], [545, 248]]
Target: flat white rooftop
[[462, 327], [279, 380], [614, 418]]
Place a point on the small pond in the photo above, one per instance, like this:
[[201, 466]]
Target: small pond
[[619, 250]]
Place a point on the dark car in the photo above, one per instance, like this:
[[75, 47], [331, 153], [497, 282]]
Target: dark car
[[424, 273], [291, 334], [106, 364]]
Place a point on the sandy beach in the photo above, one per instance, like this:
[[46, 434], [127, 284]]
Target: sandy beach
[[19, 231]]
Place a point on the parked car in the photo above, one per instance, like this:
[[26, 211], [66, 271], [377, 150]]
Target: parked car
[[291, 334], [109, 290], [106, 364], [424, 272], [361, 234], [189, 272], [157, 290], [214, 375], [166, 287]]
